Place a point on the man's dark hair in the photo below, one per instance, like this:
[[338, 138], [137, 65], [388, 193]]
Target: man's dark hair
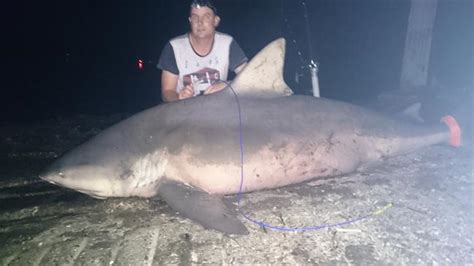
[[202, 3]]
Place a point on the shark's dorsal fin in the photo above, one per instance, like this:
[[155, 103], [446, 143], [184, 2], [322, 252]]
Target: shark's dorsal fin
[[263, 75]]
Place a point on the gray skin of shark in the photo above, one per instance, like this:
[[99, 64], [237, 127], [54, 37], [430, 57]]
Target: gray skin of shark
[[188, 152]]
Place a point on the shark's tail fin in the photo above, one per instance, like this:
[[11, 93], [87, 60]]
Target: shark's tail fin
[[454, 129], [263, 75]]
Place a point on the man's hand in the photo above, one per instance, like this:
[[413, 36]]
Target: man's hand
[[186, 92], [215, 88]]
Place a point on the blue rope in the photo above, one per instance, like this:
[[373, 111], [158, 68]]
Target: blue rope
[[264, 225]]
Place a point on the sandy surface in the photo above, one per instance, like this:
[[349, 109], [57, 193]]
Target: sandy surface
[[430, 220]]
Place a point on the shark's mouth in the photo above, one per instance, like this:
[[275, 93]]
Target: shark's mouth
[[93, 193], [51, 182]]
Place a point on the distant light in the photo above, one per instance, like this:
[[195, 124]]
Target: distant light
[[140, 64]]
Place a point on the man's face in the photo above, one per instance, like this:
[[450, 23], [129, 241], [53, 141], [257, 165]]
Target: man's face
[[203, 22]]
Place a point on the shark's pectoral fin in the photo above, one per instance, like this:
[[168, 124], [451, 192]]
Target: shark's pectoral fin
[[197, 205]]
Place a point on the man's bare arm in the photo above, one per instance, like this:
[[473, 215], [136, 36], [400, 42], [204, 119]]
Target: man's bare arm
[[169, 81]]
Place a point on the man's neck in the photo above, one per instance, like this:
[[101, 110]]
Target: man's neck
[[202, 46]]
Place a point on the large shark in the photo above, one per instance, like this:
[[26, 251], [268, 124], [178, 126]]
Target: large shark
[[189, 152]]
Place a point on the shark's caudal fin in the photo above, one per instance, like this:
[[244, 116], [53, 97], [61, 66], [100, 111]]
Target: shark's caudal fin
[[263, 75]]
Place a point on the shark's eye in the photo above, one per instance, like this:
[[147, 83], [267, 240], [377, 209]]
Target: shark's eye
[[61, 174]]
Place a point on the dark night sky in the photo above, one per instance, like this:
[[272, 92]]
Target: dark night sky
[[66, 57]]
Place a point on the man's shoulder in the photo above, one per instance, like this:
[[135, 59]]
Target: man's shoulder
[[223, 36], [180, 38]]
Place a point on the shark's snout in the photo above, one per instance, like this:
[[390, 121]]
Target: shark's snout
[[53, 177], [93, 180]]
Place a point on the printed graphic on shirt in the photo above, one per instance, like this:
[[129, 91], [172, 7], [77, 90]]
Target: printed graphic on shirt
[[202, 79]]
